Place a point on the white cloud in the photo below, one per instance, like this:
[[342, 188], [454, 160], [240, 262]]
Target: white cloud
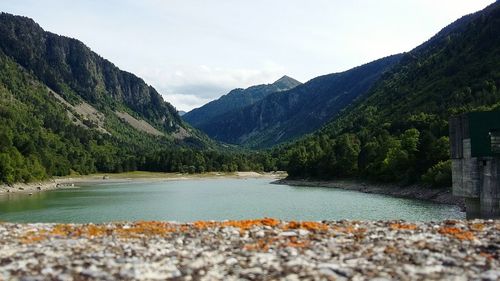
[[185, 102], [188, 87]]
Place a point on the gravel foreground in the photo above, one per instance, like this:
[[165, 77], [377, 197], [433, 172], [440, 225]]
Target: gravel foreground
[[265, 249]]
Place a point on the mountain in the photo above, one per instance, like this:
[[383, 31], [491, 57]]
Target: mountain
[[77, 74], [236, 99], [286, 115], [181, 112], [285, 83], [65, 109], [398, 131]]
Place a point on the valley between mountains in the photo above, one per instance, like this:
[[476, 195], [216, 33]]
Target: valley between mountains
[[66, 110]]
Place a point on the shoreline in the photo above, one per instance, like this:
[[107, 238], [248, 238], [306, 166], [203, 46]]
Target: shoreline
[[441, 196], [69, 182]]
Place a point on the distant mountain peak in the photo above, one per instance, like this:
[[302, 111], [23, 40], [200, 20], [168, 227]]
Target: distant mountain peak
[[286, 82], [237, 99], [283, 115]]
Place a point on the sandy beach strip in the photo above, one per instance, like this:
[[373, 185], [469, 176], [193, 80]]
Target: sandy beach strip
[[139, 176]]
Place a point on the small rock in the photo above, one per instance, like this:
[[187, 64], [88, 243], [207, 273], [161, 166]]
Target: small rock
[[288, 233], [231, 261], [303, 232], [342, 271], [260, 234], [491, 274]]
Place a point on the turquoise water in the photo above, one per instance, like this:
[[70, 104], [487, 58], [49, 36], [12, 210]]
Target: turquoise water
[[212, 199]]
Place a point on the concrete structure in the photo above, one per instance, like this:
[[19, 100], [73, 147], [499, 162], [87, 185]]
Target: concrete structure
[[475, 156]]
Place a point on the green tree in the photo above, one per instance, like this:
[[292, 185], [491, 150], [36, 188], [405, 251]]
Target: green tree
[[347, 150]]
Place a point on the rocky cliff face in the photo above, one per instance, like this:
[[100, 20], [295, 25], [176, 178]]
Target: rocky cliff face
[[78, 74]]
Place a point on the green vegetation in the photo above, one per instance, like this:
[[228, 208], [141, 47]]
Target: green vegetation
[[391, 126], [41, 136], [185, 160], [38, 140], [32, 126], [398, 132]]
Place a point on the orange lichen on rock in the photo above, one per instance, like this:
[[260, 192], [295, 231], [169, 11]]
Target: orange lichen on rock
[[308, 225], [142, 228], [391, 250], [264, 244], [260, 244], [148, 228], [95, 231], [456, 233], [402, 226], [184, 228], [33, 237], [66, 230], [241, 224], [137, 229], [487, 255], [467, 235], [295, 243], [62, 230], [270, 222], [449, 230], [350, 229], [205, 224], [477, 227], [247, 224]]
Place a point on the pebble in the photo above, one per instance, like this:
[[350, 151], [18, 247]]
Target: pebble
[[491, 275], [231, 261], [303, 232], [260, 234], [288, 233]]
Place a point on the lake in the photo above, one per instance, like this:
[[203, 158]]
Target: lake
[[212, 199]]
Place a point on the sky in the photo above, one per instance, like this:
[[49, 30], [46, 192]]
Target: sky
[[194, 51]]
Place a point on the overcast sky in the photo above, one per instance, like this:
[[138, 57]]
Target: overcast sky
[[193, 51]]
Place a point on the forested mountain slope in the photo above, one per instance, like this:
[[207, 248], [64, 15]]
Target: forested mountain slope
[[77, 74], [283, 116], [399, 130], [65, 109], [236, 99]]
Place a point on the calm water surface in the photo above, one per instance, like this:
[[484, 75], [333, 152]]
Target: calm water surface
[[212, 199]]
